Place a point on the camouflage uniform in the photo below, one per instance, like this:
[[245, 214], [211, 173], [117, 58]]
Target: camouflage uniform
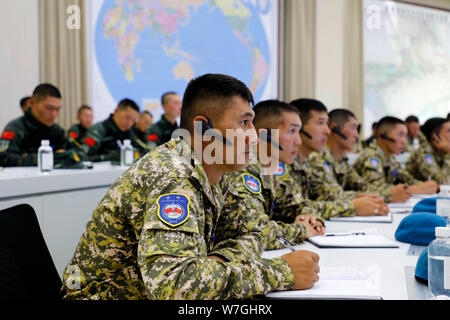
[[22, 138], [248, 214], [101, 142], [299, 178], [162, 130], [428, 163], [132, 250], [381, 172]]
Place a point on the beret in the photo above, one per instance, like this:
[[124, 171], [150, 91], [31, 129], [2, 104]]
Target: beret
[[421, 272], [425, 205], [419, 228]]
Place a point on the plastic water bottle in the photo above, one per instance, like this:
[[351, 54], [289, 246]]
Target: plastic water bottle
[[45, 156], [126, 154], [439, 264], [443, 203]]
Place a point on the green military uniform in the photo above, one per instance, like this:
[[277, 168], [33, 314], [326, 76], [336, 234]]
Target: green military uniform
[[299, 178], [150, 236], [251, 200], [76, 135], [381, 172], [22, 138], [427, 163], [101, 142], [144, 141], [162, 130]]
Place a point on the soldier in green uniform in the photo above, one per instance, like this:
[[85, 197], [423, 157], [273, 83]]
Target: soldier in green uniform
[[162, 130], [432, 160], [25, 103], [314, 135], [152, 235], [21, 138], [379, 168], [413, 127], [103, 140], [144, 141], [254, 195], [78, 132]]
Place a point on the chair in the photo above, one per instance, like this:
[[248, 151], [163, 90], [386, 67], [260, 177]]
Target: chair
[[27, 271]]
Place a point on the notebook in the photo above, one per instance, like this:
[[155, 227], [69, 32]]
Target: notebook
[[353, 239], [379, 219], [336, 284]]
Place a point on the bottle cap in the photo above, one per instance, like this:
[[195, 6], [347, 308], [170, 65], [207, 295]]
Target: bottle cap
[[45, 142], [442, 232], [127, 142]]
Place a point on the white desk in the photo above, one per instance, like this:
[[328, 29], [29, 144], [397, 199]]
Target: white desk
[[385, 268], [63, 201]]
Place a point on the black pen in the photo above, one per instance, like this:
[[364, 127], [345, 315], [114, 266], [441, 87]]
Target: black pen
[[285, 243]]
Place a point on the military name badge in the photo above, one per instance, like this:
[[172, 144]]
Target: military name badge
[[428, 159], [375, 163], [281, 170], [251, 183], [327, 167], [173, 209]]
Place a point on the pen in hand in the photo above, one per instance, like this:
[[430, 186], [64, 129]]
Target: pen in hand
[[285, 243]]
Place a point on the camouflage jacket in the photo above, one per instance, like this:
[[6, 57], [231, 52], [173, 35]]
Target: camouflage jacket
[[22, 138], [150, 236], [428, 163], [162, 131], [381, 172], [101, 142], [299, 176], [250, 202]]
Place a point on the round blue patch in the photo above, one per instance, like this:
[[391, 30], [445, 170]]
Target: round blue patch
[[173, 209], [251, 183], [281, 170], [327, 167], [428, 159], [374, 162]]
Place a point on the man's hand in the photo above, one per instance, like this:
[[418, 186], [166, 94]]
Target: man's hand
[[313, 226], [370, 205], [400, 193], [305, 267], [429, 187]]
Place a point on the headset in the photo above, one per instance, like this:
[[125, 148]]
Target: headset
[[306, 134], [268, 138], [385, 137], [208, 125], [338, 132]]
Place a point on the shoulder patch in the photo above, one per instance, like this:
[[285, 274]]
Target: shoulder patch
[[152, 137], [90, 141], [428, 159], [374, 162], [281, 170], [251, 183], [327, 167], [173, 209], [8, 135], [73, 135]]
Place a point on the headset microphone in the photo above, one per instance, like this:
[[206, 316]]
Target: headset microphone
[[385, 137], [338, 132], [208, 125], [306, 134], [267, 137]]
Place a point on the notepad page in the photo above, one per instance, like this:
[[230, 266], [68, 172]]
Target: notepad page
[[383, 219], [352, 241]]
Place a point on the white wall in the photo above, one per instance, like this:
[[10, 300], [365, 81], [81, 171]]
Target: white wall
[[19, 55], [330, 52]]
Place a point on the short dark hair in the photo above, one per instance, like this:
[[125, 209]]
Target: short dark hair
[[386, 124], [412, 119], [340, 117], [125, 103], [165, 95], [23, 101], [448, 116], [83, 107], [271, 110], [305, 106], [146, 112], [45, 90], [208, 95], [433, 126]]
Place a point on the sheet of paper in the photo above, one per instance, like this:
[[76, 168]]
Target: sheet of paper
[[353, 241], [380, 219]]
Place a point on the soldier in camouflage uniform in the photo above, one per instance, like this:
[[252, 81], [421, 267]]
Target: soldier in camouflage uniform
[[22, 137], [256, 197], [163, 129], [103, 140], [380, 169], [432, 160], [77, 132], [153, 234]]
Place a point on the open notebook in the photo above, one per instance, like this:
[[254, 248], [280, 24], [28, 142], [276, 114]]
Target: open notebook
[[334, 283], [353, 239], [379, 219]]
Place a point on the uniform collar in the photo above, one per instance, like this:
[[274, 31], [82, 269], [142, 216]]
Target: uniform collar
[[33, 122], [166, 122]]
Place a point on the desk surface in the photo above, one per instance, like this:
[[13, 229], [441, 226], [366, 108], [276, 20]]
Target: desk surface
[[385, 268]]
